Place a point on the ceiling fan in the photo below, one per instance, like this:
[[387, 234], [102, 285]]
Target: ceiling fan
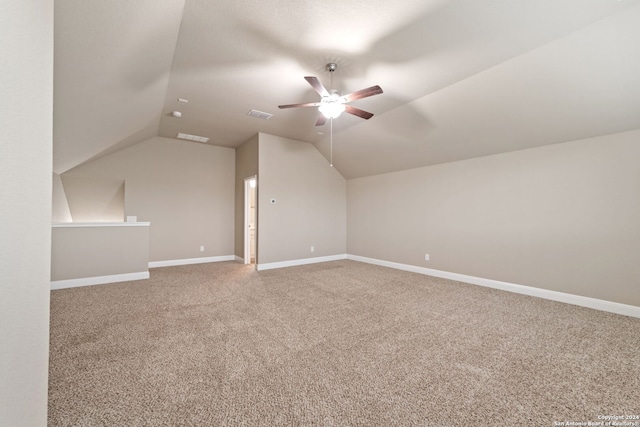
[[332, 104]]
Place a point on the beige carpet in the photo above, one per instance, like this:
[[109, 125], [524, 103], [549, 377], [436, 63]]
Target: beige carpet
[[334, 344]]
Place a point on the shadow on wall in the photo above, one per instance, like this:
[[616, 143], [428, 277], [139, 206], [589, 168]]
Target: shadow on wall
[[94, 200]]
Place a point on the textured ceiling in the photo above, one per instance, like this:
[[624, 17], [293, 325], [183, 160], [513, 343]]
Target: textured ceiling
[[461, 78]]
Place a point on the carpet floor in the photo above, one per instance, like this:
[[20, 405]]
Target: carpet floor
[[334, 344]]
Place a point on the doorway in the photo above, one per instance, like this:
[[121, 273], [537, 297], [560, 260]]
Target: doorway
[[250, 220]]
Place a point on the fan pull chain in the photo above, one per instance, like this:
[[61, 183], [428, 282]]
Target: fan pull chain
[[331, 139]]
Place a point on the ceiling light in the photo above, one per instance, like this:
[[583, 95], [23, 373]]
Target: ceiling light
[[331, 106], [192, 137]]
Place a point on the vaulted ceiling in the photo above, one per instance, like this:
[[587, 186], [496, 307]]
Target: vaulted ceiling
[[461, 78]]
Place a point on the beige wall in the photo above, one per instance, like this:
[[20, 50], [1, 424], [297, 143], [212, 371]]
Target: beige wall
[[185, 189], [94, 200], [246, 166], [562, 217], [60, 205], [81, 252], [26, 49], [310, 208]]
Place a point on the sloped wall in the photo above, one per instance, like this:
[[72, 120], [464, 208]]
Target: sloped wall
[[94, 200], [60, 204], [562, 217]]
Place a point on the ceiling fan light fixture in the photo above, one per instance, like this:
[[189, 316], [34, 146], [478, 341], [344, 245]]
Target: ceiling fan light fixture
[[331, 106]]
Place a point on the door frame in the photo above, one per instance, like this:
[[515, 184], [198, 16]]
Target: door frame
[[247, 213]]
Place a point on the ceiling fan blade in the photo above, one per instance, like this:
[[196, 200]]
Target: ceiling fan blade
[[315, 83], [363, 93], [358, 112], [321, 120], [308, 104]]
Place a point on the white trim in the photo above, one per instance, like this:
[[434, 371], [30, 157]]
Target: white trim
[[99, 224], [597, 304], [187, 261], [295, 262], [98, 280]]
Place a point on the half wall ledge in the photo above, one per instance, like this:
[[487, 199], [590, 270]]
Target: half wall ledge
[[92, 253]]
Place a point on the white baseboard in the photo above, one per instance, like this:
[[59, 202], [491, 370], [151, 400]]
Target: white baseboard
[[598, 304], [98, 280], [295, 262], [187, 261]]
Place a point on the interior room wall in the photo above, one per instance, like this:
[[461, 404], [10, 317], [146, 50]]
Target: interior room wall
[[60, 205], [94, 200], [81, 252], [562, 217], [310, 202], [185, 189], [246, 166], [26, 49]]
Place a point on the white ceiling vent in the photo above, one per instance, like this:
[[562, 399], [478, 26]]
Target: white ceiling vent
[[260, 114], [192, 137]]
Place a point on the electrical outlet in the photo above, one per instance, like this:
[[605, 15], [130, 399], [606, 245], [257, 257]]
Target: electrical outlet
[[201, 248], [312, 249], [426, 257]]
